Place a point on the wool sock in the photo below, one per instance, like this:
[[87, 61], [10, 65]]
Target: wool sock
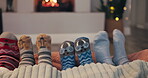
[[120, 56], [67, 55], [101, 48], [82, 47], [26, 51], [43, 44], [9, 52], [44, 56]]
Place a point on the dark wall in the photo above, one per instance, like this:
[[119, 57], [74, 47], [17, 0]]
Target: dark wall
[[1, 24]]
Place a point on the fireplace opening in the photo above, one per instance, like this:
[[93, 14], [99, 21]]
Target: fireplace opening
[[54, 5]]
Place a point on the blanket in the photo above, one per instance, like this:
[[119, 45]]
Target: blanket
[[135, 69]]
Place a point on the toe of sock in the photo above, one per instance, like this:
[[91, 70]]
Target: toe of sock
[[118, 35], [101, 35], [8, 35]]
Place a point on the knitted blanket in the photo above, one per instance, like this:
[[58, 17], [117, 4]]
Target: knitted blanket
[[135, 69]]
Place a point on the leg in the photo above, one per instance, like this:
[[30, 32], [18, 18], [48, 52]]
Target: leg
[[67, 55], [26, 51], [101, 48], [43, 44], [82, 47], [120, 56], [9, 52]]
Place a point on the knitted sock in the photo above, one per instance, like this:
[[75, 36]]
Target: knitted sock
[[9, 52], [67, 55], [26, 51], [44, 56], [82, 47], [101, 48], [43, 44], [120, 56]]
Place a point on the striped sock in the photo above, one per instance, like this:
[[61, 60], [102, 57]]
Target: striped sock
[[44, 56], [26, 51], [9, 52], [27, 58], [67, 55], [82, 47]]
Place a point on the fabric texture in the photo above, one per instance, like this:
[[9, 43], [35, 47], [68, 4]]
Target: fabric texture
[[101, 48], [9, 52], [82, 47], [135, 69], [120, 56]]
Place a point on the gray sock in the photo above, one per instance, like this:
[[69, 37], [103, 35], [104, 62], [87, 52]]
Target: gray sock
[[27, 57], [120, 56], [44, 56], [101, 48]]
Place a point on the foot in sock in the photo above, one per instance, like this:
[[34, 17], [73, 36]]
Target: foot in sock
[[67, 55], [43, 44], [101, 48], [82, 47], [120, 56], [26, 51], [9, 52]]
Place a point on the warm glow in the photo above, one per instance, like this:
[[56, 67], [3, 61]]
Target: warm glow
[[117, 18], [125, 8], [46, 0], [50, 3], [53, 1], [110, 0], [112, 8]]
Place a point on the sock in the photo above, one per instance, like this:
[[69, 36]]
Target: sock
[[120, 56], [101, 48], [9, 52], [27, 58], [26, 51], [44, 56], [82, 47], [67, 55]]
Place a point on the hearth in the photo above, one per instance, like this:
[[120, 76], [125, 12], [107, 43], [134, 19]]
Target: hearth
[[54, 5]]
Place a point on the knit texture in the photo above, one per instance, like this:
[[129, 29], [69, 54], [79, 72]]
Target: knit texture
[[135, 69], [82, 47]]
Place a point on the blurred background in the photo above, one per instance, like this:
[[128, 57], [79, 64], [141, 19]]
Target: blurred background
[[70, 19]]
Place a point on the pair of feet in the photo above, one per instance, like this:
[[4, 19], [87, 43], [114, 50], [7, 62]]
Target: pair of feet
[[80, 48], [101, 48], [43, 44]]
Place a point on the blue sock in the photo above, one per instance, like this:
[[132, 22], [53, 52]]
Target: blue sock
[[82, 47], [120, 56], [67, 54], [101, 48]]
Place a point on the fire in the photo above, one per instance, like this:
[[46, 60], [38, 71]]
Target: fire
[[50, 3]]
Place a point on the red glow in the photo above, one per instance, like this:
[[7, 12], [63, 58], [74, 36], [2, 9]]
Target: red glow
[[50, 3]]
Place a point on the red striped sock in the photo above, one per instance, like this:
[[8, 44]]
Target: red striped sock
[[9, 53]]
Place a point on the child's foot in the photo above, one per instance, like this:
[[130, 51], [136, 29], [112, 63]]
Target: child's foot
[[9, 52], [43, 44], [120, 56], [82, 47], [26, 51], [67, 55], [101, 48]]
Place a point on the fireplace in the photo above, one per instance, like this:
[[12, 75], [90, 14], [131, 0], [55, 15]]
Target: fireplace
[[54, 5]]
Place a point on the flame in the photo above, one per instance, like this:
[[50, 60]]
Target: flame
[[50, 3], [46, 0]]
